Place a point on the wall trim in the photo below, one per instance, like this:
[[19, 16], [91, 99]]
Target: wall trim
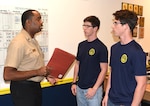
[[43, 85]]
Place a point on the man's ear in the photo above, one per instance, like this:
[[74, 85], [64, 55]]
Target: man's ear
[[28, 22], [126, 26], [96, 28]]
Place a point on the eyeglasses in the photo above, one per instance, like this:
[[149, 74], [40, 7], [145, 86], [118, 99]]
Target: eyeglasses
[[87, 26], [116, 23]]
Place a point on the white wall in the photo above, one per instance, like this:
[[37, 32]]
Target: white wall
[[66, 19]]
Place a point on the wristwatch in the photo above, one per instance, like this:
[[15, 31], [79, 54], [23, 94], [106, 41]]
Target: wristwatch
[[74, 83]]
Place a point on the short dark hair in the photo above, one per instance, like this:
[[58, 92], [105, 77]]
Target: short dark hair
[[93, 20], [126, 17], [26, 15]]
